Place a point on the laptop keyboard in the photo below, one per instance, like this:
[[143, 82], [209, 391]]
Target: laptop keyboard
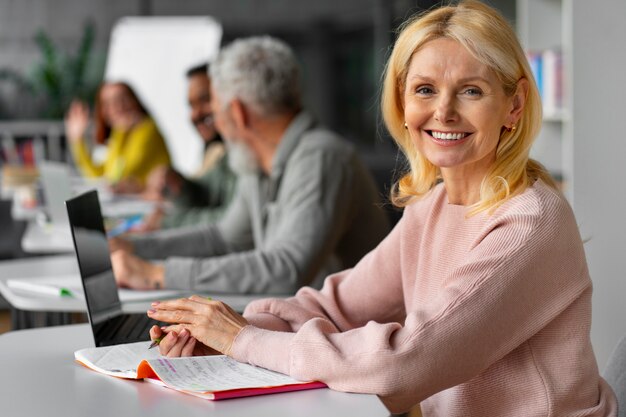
[[124, 329]]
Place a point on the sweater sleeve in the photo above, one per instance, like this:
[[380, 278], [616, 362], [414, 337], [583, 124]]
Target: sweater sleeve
[[368, 300], [302, 230], [234, 233], [521, 273]]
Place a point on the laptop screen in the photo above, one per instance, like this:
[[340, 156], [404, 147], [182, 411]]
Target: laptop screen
[[92, 252]]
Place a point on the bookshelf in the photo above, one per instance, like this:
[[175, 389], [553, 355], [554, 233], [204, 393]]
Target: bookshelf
[[543, 27], [586, 141]]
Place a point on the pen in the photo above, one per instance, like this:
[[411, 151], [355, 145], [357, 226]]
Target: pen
[[156, 341]]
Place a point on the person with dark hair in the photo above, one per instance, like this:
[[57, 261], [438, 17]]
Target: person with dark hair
[[134, 144], [203, 197]]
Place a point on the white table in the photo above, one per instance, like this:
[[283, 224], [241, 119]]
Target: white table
[[64, 265], [40, 378], [47, 238]]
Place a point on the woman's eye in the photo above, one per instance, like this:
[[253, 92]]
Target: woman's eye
[[423, 90], [474, 92]]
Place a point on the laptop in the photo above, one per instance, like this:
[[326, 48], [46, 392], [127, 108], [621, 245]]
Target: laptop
[[55, 180], [110, 326]]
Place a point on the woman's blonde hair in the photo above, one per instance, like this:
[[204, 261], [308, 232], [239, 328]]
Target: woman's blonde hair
[[492, 41]]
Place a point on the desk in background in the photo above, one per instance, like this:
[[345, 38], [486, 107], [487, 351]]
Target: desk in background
[[40, 378], [62, 310], [44, 238]]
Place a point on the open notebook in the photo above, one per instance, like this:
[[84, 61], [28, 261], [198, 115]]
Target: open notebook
[[210, 377]]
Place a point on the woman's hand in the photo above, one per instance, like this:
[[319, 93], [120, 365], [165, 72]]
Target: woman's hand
[[133, 272], [174, 345], [76, 121], [212, 323]]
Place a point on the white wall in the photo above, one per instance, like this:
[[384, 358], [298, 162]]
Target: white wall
[[599, 187]]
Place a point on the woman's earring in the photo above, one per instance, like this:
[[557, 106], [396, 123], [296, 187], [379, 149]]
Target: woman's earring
[[513, 128], [405, 126]]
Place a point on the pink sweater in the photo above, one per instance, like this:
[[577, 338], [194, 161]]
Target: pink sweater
[[480, 316]]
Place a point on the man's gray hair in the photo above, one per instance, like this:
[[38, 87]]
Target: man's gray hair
[[260, 71]]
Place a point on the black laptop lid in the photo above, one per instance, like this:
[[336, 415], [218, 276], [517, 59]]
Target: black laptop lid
[[92, 252]]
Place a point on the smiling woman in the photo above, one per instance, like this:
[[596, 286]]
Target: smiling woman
[[478, 303], [455, 108]]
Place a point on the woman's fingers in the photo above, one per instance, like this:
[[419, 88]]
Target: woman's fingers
[[168, 342], [201, 300], [155, 332], [172, 316], [177, 348], [189, 347], [178, 304]]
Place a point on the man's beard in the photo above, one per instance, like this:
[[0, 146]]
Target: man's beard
[[241, 159]]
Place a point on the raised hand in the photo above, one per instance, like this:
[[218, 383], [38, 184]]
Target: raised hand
[[76, 121]]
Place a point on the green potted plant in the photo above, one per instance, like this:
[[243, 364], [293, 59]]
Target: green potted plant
[[59, 77]]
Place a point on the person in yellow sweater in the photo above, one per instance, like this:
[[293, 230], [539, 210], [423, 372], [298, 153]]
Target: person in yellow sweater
[[133, 141]]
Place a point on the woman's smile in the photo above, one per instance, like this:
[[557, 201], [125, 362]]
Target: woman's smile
[[447, 138]]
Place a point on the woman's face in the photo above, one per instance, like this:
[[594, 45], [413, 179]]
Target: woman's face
[[455, 108], [118, 107]]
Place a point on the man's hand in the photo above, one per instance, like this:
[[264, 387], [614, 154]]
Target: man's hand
[[119, 244], [133, 272]]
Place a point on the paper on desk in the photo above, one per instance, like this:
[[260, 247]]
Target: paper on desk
[[47, 287], [210, 377], [197, 373], [119, 360], [53, 286], [214, 373]]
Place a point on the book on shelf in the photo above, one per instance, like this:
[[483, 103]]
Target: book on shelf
[[547, 68], [214, 377]]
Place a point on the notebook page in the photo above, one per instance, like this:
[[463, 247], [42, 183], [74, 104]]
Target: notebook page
[[215, 373], [117, 360]]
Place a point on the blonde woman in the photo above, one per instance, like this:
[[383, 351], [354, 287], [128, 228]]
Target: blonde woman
[[479, 301]]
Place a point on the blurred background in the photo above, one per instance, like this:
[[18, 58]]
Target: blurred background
[[54, 51], [51, 51]]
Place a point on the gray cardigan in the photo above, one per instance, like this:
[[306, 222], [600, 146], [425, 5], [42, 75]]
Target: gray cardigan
[[317, 212]]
